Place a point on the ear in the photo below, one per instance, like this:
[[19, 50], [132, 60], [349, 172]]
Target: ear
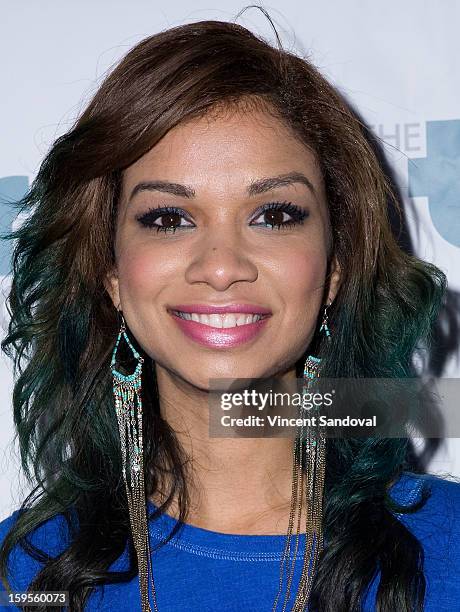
[[335, 275], [112, 287]]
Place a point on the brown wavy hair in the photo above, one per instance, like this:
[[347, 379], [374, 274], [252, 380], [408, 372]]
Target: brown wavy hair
[[63, 324]]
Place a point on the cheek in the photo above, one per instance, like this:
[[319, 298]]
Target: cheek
[[143, 272], [303, 268], [305, 274], [301, 280]]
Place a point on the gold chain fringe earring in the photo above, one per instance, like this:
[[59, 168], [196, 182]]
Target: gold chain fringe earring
[[128, 407], [308, 482]]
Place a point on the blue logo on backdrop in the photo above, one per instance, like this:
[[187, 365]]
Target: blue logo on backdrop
[[437, 177], [12, 189]]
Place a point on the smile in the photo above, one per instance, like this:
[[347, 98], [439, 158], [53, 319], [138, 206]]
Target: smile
[[222, 329], [220, 321]]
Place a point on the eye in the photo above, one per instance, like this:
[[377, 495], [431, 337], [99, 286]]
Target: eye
[[275, 214], [164, 219], [280, 215]]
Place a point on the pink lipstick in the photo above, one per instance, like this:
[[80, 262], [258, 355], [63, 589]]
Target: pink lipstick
[[220, 326]]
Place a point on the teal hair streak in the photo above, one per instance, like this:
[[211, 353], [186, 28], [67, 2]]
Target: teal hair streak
[[63, 324]]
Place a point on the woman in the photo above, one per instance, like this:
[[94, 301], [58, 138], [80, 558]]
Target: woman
[[215, 213]]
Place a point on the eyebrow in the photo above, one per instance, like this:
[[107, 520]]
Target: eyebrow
[[266, 184], [165, 187], [255, 187]]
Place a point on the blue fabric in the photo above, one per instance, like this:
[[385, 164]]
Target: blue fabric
[[204, 571]]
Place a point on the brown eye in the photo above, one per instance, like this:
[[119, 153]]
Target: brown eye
[[170, 220], [280, 215], [165, 219], [274, 217]]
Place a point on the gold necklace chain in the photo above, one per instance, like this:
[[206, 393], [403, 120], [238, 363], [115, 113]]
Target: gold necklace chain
[[312, 528]]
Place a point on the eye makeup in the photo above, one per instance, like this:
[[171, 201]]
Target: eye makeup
[[277, 209], [274, 211], [171, 213]]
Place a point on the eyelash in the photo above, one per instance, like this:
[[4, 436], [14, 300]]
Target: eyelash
[[298, 216]]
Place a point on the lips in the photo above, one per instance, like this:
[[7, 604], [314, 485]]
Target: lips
[[220, 326]]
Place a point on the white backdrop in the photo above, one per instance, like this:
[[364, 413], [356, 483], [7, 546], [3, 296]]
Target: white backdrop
[[397, 62]]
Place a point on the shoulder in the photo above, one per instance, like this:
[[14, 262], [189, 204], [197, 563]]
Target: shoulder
[[437, 527], [51, 537], [443, 501], [6, 524]]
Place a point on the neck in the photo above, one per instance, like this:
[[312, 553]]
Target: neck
[[235, 485]]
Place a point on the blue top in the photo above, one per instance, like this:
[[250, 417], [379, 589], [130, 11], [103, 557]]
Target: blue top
[[204, 571]]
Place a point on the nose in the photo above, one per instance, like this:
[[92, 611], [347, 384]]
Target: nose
[[221, 264]]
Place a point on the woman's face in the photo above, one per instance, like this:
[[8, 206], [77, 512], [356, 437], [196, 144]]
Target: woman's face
[[195, 234]]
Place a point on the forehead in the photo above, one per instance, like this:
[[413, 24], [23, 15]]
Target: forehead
[[225, 150]]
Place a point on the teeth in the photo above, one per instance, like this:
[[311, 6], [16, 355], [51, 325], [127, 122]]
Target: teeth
[[215, 320], [224, 321], [229, 320]]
